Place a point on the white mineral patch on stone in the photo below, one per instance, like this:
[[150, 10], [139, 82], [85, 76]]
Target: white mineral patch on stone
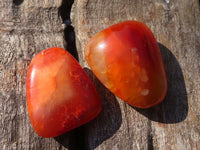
[[145, 92], [143, 76]]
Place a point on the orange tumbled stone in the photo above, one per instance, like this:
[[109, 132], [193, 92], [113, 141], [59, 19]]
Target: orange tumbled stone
[[60, 95], [127, 60]]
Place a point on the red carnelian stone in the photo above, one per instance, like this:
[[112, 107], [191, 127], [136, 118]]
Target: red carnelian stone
[[60, 95], [127, 60]]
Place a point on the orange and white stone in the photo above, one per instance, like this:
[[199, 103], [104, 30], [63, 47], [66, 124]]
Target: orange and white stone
[[60, 95], [127, 60]]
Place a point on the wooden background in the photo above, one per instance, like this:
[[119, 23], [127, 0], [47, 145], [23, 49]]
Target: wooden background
[[29, 26]]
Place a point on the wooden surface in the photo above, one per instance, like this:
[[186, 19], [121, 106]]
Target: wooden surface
[[27, 27]]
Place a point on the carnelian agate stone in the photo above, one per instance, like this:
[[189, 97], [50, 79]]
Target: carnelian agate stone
[[60, 95], [127, 60]]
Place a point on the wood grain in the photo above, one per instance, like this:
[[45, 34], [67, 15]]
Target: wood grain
[[27, 27], [174, 124]]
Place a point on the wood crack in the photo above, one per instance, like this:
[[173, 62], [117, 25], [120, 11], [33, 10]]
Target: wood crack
[[69, 34]]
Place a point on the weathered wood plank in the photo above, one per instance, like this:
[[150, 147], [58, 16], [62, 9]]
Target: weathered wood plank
[[26, 27], [174, 124]]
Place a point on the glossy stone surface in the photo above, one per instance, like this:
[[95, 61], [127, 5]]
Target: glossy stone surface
[[60, 95], [127, 60]]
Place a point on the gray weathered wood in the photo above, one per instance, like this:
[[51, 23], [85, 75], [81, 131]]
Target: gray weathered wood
[[174, 124], [27, 27]]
